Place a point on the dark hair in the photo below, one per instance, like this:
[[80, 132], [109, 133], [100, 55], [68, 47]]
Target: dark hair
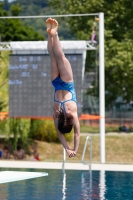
[[64, 123], [18, 147], [5, 148]]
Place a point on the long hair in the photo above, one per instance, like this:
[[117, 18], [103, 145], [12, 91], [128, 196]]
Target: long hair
[[64, 123]]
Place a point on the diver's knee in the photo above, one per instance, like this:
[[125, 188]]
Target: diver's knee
[[61, 57]]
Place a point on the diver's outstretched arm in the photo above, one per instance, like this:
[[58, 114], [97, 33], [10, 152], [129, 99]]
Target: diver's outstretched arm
[[62, 139]]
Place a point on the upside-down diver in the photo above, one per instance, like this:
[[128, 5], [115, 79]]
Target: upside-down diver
[[65, 108]]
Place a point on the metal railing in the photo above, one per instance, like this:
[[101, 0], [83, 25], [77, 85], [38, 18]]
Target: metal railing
[[64, 160], [84, 150]]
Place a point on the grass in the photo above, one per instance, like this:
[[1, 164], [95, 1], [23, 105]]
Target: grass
[[119, 149], [96, 129]]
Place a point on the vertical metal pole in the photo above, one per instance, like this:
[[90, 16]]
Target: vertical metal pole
[[83, 154], [64, 155], [90, 153], [85, 145], [102, 87], [64, 160]]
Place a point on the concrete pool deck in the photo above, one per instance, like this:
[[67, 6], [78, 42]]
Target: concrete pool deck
[[67, 166]]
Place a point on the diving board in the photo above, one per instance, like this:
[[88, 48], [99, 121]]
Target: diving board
[[11, 176]]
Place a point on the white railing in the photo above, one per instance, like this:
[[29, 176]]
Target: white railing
[[64, 160], [84, 150]]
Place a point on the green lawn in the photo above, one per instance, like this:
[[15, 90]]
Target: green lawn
[[119, 149]]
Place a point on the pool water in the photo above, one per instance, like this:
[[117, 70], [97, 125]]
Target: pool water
[[70, 185]]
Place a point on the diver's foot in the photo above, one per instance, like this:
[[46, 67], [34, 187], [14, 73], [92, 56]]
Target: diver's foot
[[49, 22], [54, 27]]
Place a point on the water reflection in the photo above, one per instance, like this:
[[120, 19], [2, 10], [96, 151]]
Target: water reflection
[[71, 185], [86, 185], [64, 187], [64, 181], [92, 187], [102, 185], [89, 187]]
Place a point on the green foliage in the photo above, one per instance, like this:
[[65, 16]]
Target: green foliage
[[41, 8], [4, 63], [40, 3], [45, 131], [14, 29], [119, 70], [14, 128], [80, 26], [22, 129], [15, 9], [4, 128], [17, 129]]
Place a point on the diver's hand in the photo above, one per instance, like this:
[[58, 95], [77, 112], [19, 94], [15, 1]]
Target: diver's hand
[[70, 153]]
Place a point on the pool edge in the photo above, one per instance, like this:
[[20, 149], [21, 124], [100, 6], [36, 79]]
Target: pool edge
[[67, 166]]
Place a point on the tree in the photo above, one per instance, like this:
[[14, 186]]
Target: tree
[[14, 29], [41, 8], [41, 3], [118, 40], [4, 62]]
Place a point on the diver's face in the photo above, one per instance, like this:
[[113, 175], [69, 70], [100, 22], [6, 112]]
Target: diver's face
[[66, 121]]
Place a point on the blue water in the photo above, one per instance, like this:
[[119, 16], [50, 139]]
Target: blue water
[[71, 185]]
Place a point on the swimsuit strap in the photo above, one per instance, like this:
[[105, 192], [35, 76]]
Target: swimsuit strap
[[65, 100], [62, 104]]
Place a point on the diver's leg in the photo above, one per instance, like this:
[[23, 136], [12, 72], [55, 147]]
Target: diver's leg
[[64, 66], [53, 63]]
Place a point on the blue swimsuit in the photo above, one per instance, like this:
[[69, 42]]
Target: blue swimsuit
[[59, 84]]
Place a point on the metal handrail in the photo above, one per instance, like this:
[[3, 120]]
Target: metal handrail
[[64, 155], [82, 159], [64, 160]]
